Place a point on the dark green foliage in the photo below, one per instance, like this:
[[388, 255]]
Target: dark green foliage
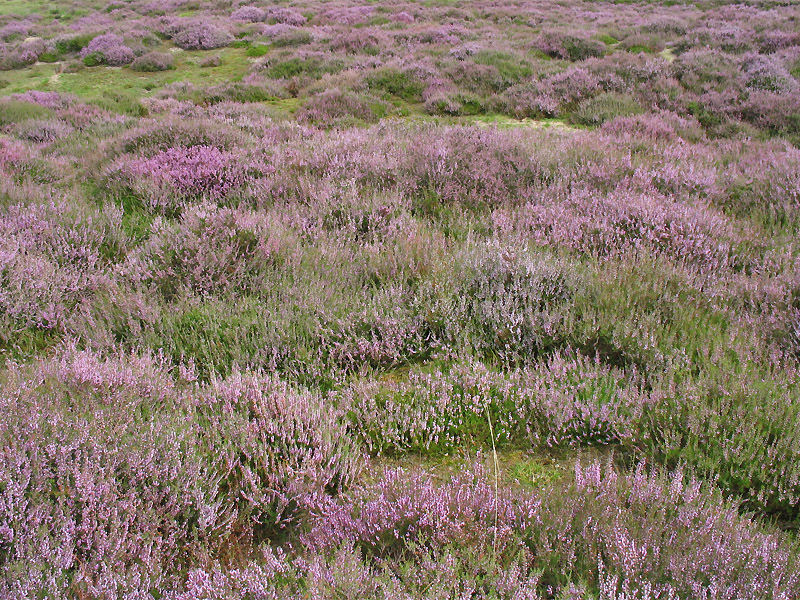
[[257, 50], [394, 82], [74, 44]]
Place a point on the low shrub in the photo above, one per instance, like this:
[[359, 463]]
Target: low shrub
[[604, 107], [397, 83], [193, 34], [152, 62], [107, 49], [18, 111]]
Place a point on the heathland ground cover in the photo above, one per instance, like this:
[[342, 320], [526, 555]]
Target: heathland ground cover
[[491, 299]]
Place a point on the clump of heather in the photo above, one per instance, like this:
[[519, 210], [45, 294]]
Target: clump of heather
[[568, 46], [15, 29], [642, 531], [53, 258], [117, 478], [286, 16], [22, 55], [252, 14], [159, 135], [404, 509], [726, 428], [108, 48], [509, 303], [568, 400], [287, 450], [196, 34], [153, 61], [51, 100], [171, 176], [633, 534], [43, 131], [208, 250], [332, 106]]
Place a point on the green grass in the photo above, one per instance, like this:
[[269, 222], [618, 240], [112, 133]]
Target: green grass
[[396, 83], [96, 82], [510, 68], [14, 111]]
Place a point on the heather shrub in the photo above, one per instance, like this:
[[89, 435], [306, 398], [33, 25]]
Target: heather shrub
[[51, 100], [648, 44], [152, 62], [553, 96], [53, 260], [194, 34], [108, 518], [501, 171], [211, 62], [767, 73], [613, 529], [287, 450], [468, 76], [153, 491], [107, 48], [604, 107], [152, 137], [43, 131], [172, 176], [15, 30], [207, 251], [505, 303], [764, 183], [569, 47], [23, 55], [251, 14], [454, 104], [567, 400], [738, 431], [620, 221], [402, 510], [656, 128], [283, 36], [704, 70], [286, 16], [610, 528], [358, 43], [509, 68], [332, 106]]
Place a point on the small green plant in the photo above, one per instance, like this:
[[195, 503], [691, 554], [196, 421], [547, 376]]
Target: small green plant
[[257, 50], [398, 83], [74, 44], [607, 39], [94, 59], [293, 67]]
